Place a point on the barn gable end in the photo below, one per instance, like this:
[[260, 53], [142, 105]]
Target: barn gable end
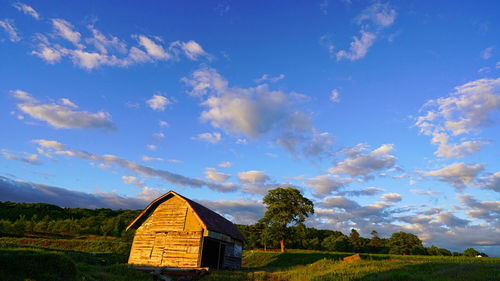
[[174, 231]]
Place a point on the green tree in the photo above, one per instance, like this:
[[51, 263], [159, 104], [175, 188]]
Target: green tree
[[470, 252], [285, 206], [355, 239], [403, 243]]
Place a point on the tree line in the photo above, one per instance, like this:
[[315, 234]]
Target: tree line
[[21, 219], [282, 225]]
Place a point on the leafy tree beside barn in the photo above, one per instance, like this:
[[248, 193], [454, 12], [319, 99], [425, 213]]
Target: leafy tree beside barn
[[285, 206]]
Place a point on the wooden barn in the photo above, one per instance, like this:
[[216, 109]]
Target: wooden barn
[[174, 231]]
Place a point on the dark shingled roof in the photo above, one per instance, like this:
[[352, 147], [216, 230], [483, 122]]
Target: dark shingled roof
[[211, 219]]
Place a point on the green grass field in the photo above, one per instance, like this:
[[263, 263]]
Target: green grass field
[[104, 259]]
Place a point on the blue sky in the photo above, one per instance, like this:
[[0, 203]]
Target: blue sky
[[384, 113]]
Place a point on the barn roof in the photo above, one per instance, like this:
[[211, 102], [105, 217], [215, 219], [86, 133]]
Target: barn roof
[[209, 219]]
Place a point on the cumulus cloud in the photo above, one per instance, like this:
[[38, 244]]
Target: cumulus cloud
[[61, 116], [132, 180], [324, 185], [30, 192], [27, 10], [145, 171], [10, 29], [391, 197], [252, 112], [208, 137], [358, 163], [465, 111], [158, 102], [460, 175], [213, 175], [252, 177]]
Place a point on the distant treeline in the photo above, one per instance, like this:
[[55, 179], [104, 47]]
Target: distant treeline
[[302, 237], [22, 219]]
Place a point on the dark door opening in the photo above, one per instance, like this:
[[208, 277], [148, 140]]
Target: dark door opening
[[213, 253]]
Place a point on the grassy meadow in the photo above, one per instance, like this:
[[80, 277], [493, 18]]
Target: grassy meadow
[[99, 258]]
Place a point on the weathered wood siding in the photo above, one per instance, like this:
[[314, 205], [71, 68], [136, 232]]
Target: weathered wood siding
[[170, 236], [232, 256]]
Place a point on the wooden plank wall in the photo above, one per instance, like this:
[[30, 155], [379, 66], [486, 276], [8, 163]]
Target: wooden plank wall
[[182, 249], [170, 236]]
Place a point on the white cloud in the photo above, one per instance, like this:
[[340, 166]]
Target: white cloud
[[163, 123], [158, 102], [379, 14], [65, 30], [28, 10], [174, 161], [253, 112], [105, 50], [67, 102], [151, 147], [358, 163], [208, 137], [10, 29], [146, 158], [391, 197], [49, 144], [334, 96], [487, 53], [32, 159], [132, 180], [61, 116], [465, 111], [109, 160], [153, 49], [253, 177], [191, 49], [358, 48], [339, 202], [267, 77], [104, 44], [48, 54], [226, 164], [212, 174], [324, 185], [459, 175]]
